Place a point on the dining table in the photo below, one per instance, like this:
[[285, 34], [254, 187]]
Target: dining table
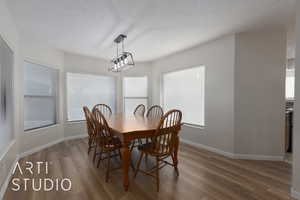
[[129, 128]]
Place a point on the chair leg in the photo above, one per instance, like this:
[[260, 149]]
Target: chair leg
[[140, 141], [119, 151], [95, 153], [157, 174], [90, 146], [138, 164], [132, 166], [89, 149], [100, 157], [108, 167], [175, 165], [132, 145], [146, 156]]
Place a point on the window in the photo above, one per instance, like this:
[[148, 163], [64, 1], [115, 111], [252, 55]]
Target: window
[[184, 90], [6, 106], [290, 84], [89, 90], [135, 90], [40, 96]]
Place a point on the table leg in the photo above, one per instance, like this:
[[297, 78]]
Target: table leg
[[126, 165]]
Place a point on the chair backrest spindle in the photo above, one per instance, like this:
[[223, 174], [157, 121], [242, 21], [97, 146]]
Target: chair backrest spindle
[[89, 122], [155, 112], [105, 138], [139, 110], [104, 109]]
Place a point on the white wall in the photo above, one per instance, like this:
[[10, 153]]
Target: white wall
[[89, 65], [260, 93], [296, 131], [244, 93], [9, 33], [218, 58]]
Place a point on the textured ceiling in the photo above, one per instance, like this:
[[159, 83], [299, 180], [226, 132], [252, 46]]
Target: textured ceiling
[[155, 28]]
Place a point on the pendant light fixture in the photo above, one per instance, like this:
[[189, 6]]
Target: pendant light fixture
[[123, 60]]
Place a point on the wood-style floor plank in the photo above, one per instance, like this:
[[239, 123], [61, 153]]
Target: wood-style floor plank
[[203, 175]]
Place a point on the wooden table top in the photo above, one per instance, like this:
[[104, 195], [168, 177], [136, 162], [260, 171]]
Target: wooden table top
[[129, 124]]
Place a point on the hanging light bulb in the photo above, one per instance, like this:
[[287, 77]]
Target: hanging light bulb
[[126, 61], [122, 62], [119, 61]]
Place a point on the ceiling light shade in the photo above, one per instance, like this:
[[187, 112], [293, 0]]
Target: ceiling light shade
[[123, 60]]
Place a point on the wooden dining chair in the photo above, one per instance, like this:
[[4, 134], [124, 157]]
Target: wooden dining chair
[[104, 109], [90, 128], [155, 112], [164, 144], [106, 143], [139, 110]]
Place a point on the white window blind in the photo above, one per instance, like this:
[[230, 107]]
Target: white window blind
[[89, 90], [135, 92], [40, 96], [184, 90], [290, 84], [6, 111]]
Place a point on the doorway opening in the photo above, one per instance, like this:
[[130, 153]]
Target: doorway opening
[[289, 108]]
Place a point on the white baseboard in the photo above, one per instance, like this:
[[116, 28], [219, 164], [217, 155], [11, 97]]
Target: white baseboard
[[73, 137], [295, 194], [6, 181], [39, 148], [233, 155], [208, 148], [12, 143], [9, 175], [258, 157]]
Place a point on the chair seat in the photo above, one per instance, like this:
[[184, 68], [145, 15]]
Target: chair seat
[[148, 148], [113, 144]]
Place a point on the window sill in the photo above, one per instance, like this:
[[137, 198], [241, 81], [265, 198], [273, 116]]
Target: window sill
[[290, 99], [194, 126], [33, 130], [75, 122]]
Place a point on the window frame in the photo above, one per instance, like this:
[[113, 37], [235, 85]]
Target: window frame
[[178, 69], [137, 97], [67, 120], [11, 118], [55, 97]]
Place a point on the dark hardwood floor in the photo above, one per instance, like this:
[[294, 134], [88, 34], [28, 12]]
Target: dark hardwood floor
[[203, 175]]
